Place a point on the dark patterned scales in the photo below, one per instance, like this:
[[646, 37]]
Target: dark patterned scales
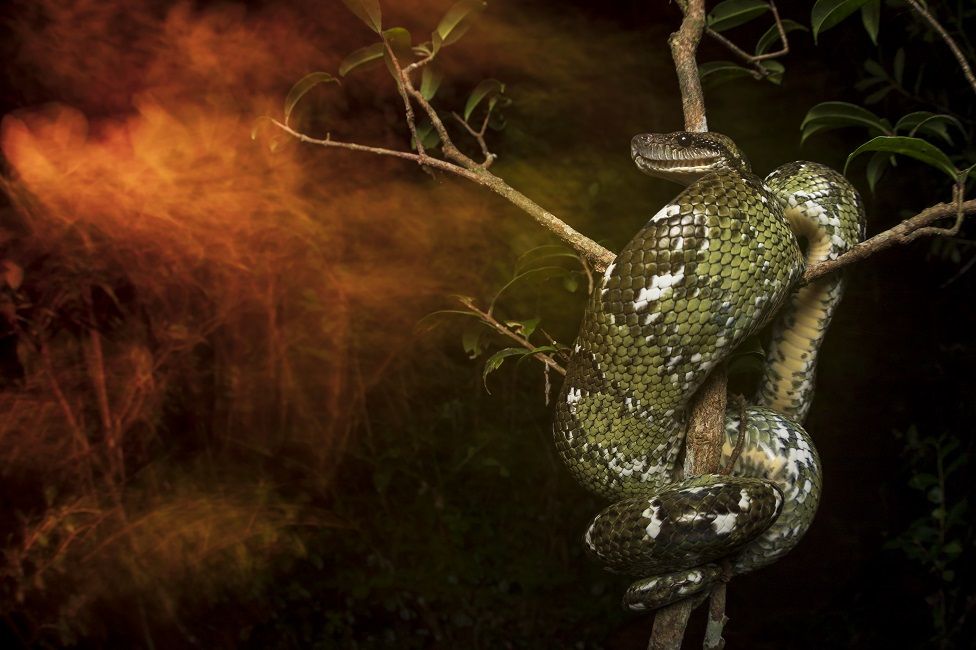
[[706, 271]]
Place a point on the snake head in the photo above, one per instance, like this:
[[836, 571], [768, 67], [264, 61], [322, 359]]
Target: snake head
[[686, 156]]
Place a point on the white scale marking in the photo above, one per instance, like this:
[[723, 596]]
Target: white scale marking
[[723, 524]]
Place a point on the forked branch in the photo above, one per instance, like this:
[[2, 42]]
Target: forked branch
[[755, 60]]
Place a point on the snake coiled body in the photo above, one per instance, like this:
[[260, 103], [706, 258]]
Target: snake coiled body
[[708, 270]]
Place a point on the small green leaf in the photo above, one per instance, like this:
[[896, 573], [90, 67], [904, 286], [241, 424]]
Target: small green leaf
[[367, 11], [832, 115], [952, 548], [714, 73], [428, 323], [827, 13], [876, 168], [524, 327], [930, 123], [878, 95], [875, 69], [539, 253], [399, 40], [456, 21], [871, 17], [302, 86], [552, 270], [772, 35], [918, 79], [471, 339], [912, 147], [488, 88], [774, 70], [496, 360], [957, 512], [866, 83], [430, 81], [899, 65], [922, 481], [732, 13], [428, 136], [361, 57]]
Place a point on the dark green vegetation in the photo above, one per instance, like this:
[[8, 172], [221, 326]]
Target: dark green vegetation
[[293, 466]]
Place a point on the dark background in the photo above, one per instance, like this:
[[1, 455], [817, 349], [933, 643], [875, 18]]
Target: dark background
[[442, 517]]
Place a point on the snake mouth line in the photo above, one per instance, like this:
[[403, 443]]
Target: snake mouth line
[[677, 164]]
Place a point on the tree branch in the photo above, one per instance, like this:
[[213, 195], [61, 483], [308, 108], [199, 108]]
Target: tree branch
[[903, 233], [755, 60], [407, 108], [716, 619], [684, 44], [706, 425], [956, 52], [479, 137], [669, 625], [596, 255], [508, 332]]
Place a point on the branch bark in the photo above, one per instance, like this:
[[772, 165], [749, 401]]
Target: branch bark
[[684, 45], [903, 233], [707, 411], [596, 255], [703, 442], [502, 329], [716, 619]]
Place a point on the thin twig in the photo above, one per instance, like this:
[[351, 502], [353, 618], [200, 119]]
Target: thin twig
[[741, 438], [597, 256], [80, 438], [554, 343], [952, 231], [589, 275], [447, 144], [503, 329], [956, 52], [479, 136], [755, 60], [401, 83]]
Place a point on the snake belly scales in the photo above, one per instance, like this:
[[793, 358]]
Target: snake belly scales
[[708, 270]]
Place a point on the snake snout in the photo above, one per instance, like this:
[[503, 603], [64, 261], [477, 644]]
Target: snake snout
[[640, 145]]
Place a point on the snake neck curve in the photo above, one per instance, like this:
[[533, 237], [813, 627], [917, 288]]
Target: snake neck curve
[[825, 211]]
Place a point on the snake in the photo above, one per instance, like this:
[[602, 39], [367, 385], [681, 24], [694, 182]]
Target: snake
[[721, 261]]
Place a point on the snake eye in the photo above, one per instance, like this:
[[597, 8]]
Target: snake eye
[[684, 139]]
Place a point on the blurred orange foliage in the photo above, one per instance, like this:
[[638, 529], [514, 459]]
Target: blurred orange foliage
[[192, 297]]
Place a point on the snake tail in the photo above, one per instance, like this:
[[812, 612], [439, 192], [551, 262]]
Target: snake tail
[[683, 525]]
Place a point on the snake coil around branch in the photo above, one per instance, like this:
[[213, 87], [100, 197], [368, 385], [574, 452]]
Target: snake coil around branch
[[712, 267]]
